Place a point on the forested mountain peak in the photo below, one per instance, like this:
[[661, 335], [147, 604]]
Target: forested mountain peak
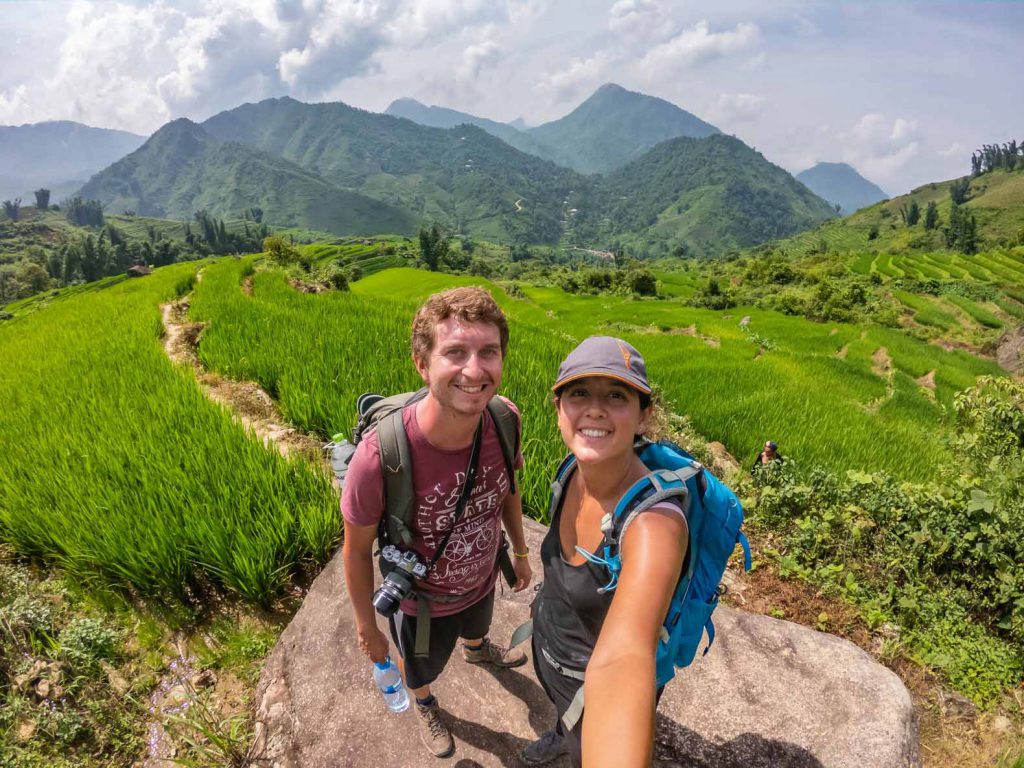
[[182, 169], [614, 126], [705, 196]]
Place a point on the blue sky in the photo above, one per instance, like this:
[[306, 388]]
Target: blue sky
[[902, 91]]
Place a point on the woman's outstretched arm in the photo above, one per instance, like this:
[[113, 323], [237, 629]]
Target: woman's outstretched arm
[[619, 692]]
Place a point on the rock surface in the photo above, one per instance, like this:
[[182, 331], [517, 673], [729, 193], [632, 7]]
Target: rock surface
[[770, 693], [1010, 352]]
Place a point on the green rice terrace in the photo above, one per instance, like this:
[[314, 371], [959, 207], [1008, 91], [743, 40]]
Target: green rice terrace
[[902, 478]]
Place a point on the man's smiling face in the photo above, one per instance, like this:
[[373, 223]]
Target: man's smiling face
[[463, 370]]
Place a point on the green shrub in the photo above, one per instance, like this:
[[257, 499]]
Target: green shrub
[[942, 558], [85, 642]]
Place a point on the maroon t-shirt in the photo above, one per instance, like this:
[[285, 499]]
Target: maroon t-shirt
[[467, 567]]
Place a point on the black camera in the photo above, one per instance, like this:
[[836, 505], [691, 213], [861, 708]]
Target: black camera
[[398, 581]]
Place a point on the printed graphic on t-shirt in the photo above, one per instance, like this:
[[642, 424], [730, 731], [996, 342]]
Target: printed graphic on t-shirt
[[468, 558]]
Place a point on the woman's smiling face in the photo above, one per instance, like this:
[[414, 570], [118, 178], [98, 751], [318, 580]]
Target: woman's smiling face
[[599, 418]]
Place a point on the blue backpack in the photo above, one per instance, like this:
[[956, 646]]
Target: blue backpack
[[714, 516]]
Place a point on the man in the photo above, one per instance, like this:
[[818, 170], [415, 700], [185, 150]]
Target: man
[[459, 340], [769, 455]]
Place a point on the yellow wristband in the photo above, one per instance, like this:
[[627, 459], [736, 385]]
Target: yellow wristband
[[524, 554]]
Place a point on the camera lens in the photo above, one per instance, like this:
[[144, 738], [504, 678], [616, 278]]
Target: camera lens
[[396, 587], [386, 600]]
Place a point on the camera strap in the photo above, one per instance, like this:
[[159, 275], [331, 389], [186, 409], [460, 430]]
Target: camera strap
[[467, 489]]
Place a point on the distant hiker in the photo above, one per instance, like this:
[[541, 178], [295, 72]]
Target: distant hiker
[[459, 472], [769, 456], [603, 401]]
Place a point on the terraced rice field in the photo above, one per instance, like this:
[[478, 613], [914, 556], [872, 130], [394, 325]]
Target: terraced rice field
[[117, 466]]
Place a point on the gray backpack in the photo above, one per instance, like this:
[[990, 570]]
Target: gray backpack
[[385, 413]]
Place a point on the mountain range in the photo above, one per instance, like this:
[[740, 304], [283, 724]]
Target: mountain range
[[608, 130], [58, 155], [667, 181], [841, 185], [181, 169]]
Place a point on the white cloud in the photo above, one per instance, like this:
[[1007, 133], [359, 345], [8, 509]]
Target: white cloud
[[699, 44], [581, 77], [956, 149], [642, 21], [732, 108], [881, 147], [136, 65], [476, 57]]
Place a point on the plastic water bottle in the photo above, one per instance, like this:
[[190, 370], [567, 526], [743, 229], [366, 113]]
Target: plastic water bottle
[[389, 680]]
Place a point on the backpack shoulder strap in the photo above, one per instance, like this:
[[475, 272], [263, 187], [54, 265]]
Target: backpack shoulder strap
[[558, 484], [396, 468], [507, 425], [655, 487]]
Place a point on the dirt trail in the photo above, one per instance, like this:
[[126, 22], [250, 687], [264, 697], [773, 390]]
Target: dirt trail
[[253, 407], [881, 366], [691, 330], [927, 383]]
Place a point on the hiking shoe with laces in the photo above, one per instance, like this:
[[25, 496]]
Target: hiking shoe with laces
[[434, 733], [492, 653], [549, 746]]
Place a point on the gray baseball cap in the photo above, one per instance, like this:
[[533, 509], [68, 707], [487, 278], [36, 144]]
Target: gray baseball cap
[[604, 356]]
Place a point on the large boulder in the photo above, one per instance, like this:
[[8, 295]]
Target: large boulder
[[770, 693]]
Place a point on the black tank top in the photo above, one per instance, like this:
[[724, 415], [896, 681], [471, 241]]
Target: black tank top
[[569, 611]]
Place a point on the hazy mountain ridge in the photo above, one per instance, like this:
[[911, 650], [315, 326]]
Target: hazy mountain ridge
[[55, 154], [182, 169], [839, 183], [609, 129], [442, 117]]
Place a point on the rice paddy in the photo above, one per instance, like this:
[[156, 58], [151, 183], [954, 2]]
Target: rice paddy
[[118, 468]]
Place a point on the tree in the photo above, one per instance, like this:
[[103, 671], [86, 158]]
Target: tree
[[913, 213], [931, 216], [84, 213], [959, 190], [280, 251], [12, 208], [433, 247], [42, 199], [34, 279], [642, 282]]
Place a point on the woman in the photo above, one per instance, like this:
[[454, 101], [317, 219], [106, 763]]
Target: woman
[[603, 401]]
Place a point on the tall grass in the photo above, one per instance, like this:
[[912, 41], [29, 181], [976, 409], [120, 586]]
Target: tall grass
[[926, 311], [976, 311], [317, 353], [117, 466]]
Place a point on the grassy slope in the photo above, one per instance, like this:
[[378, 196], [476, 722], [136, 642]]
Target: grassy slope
[[708, 195], [737, 397], [181, 169], [996, 199]]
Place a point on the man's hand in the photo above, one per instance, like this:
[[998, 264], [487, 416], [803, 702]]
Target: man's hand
[[521, 565], [373, 643]]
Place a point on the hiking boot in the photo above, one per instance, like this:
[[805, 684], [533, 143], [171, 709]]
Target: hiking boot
[[434, 733], [549, 746], [492, 653]]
